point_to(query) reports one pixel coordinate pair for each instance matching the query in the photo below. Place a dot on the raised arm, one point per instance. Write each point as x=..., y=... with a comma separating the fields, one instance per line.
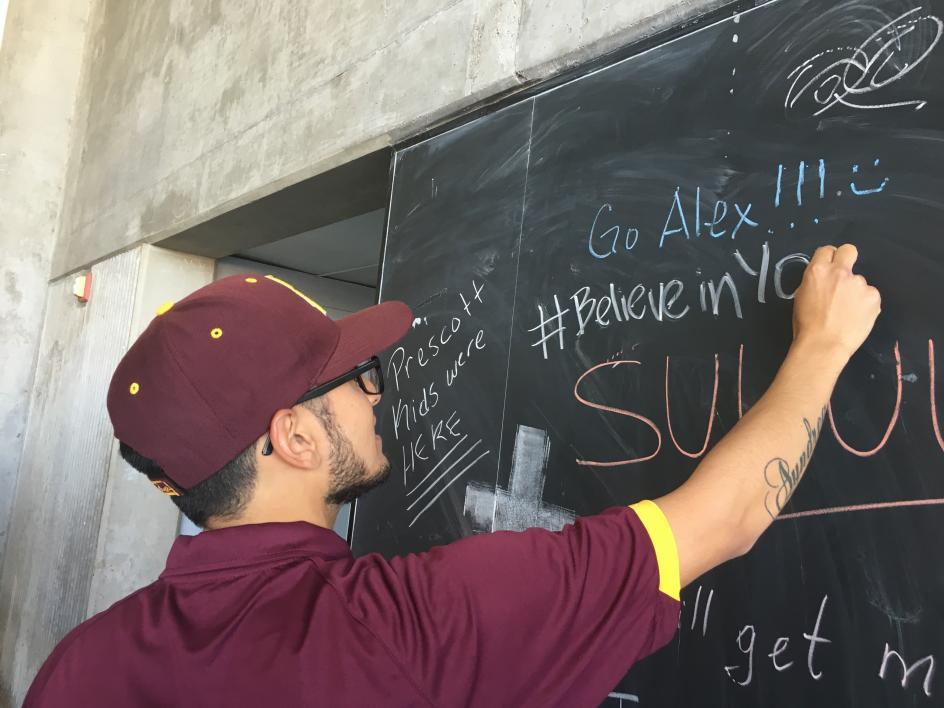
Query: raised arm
x=748, y=477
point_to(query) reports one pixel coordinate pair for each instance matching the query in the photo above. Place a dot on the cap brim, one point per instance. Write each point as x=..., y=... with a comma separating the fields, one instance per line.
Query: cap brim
x=365, y=334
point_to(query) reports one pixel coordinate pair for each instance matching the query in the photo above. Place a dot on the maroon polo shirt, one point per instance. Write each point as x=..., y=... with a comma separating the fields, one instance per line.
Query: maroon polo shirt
x=284, y=615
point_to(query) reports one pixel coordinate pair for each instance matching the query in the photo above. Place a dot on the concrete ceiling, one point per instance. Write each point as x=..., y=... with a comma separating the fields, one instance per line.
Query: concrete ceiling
x=346, y=250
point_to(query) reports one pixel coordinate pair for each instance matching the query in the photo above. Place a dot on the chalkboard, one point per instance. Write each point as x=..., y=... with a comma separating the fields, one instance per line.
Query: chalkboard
x=602, y=278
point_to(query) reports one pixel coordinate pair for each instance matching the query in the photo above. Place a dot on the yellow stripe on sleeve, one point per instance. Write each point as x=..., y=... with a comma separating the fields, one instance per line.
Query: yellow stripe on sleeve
x=663, y=541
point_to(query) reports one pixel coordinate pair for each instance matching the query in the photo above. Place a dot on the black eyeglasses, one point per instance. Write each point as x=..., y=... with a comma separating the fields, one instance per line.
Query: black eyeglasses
x=368, y=375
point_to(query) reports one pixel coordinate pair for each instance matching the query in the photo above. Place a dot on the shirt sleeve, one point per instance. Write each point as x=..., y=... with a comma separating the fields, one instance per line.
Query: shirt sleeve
x=527, y=618
x=60, y=681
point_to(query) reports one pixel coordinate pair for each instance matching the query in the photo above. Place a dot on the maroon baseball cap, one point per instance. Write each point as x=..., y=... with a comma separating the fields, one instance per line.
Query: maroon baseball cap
x=203, y=381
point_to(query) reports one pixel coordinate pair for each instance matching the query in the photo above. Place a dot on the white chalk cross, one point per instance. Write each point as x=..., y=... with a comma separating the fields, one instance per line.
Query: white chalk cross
x=522, y=505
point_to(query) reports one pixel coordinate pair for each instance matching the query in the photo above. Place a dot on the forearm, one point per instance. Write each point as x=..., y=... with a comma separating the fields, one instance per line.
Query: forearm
x=747, y=479
x=769, y=450
x=741, y=486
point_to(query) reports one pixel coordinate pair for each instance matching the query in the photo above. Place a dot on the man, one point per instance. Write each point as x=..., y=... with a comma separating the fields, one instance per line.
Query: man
x=255, y=413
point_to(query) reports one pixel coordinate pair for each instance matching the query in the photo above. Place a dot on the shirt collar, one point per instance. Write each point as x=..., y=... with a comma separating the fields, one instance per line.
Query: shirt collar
x=252, y=544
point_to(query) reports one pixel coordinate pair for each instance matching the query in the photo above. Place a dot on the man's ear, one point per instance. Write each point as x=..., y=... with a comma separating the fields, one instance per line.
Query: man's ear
x=293, y=439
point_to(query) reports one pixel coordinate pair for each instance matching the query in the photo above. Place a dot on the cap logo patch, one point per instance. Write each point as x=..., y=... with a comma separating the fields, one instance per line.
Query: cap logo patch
x=216, y=333
x=165, y=488
x=251, y=280
x=300, y=294
x=134, y=388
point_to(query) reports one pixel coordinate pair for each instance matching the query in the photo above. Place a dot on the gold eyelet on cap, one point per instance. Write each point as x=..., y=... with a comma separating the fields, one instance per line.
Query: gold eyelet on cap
x=134, y=388
x=165, y=307
x=216, y=333
x=251, y=280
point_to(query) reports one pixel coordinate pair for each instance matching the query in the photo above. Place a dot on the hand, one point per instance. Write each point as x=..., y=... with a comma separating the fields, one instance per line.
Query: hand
x=834, y=310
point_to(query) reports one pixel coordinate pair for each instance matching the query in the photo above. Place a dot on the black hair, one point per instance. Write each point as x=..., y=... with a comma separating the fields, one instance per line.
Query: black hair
x=222, y=495
x=225, y=493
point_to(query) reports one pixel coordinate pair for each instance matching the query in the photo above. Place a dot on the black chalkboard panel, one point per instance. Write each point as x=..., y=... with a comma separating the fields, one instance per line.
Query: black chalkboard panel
x=602, y=277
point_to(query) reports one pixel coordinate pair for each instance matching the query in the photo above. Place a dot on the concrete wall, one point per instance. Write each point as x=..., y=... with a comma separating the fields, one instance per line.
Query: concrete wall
x=40, y=57
x=195, y=108
x=336, y=296
x=4, y=4
x=84, y=529
x=54, y=526
x=138, y=524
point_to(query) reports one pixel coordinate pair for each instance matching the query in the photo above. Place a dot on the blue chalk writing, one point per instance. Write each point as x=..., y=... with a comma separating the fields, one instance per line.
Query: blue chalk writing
x=718, y=219
x=676, y=205
x=742, y=218
x=677, y=223
x=801, y=181
x=874, y=190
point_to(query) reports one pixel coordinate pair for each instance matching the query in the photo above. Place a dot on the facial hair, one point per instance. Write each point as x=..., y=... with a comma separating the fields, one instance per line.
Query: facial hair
x=349, y=476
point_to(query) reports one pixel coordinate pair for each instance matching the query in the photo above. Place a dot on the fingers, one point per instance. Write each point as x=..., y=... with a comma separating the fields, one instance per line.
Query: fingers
x=823, y=254
x=870, y=292
x=846, y=256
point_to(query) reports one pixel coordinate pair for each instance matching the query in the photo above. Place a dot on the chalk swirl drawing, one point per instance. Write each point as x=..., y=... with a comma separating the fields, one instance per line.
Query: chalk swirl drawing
x=884, y=58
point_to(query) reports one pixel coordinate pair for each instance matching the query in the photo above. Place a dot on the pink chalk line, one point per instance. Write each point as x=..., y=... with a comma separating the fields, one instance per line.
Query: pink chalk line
x=860, y=507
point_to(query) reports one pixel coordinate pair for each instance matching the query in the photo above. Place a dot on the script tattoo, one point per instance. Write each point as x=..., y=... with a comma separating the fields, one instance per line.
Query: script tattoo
x=782, y=477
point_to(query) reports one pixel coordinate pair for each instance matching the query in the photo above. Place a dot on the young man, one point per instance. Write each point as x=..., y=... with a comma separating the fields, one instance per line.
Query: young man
x=254, y=412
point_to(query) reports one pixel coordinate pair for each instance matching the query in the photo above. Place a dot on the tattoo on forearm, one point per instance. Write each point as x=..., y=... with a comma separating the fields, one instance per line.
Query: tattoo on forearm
x=782, y=478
